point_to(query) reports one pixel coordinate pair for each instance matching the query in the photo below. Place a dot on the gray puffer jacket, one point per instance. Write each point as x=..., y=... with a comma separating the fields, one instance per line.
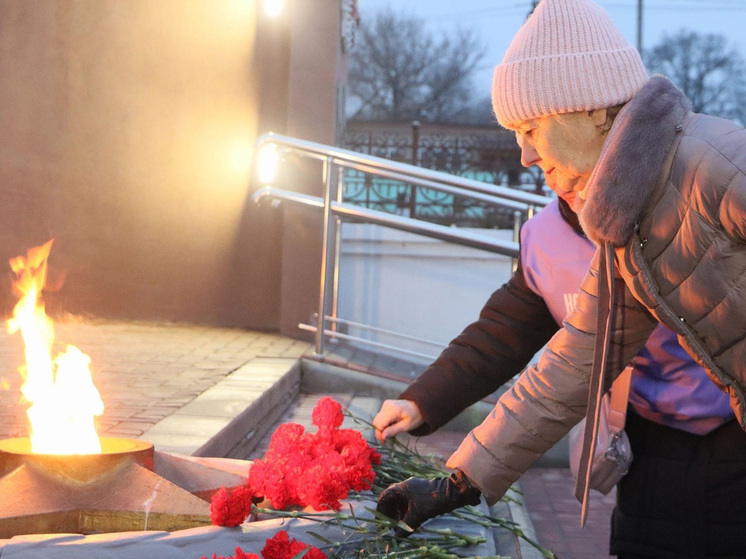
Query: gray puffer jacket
x=669, y=193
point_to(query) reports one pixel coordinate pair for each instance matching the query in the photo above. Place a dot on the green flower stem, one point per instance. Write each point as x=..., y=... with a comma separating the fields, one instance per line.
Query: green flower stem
x=449, y=533
x=437, y=544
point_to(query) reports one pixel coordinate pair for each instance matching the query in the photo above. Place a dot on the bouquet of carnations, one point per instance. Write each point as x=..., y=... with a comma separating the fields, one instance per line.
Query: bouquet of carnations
x=315, y=470
x=307, y=475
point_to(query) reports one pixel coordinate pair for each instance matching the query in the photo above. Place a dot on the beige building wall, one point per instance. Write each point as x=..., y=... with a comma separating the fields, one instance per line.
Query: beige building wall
x=127, y=136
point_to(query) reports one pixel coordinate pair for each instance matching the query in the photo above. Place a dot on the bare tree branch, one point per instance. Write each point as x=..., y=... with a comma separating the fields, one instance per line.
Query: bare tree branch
x=399, y=70
x=710, y=73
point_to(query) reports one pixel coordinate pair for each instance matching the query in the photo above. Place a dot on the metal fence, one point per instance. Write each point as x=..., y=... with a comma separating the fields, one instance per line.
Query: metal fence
x=485, y=154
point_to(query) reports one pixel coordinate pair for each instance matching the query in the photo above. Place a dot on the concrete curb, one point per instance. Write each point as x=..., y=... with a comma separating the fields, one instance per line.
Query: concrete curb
x=225, y=419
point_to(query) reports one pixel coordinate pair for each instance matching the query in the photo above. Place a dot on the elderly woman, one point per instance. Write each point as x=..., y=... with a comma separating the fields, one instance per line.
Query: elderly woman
x=662, y=192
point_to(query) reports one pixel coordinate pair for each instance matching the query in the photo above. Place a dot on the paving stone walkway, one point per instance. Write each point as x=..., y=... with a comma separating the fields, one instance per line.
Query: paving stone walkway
x=549, y=496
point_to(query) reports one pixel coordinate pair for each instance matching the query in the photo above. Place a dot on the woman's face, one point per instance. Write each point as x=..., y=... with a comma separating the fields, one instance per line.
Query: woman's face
x=566, y=147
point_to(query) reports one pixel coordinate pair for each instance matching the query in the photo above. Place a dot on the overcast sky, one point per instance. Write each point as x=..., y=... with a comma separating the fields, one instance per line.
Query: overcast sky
x=496, y=21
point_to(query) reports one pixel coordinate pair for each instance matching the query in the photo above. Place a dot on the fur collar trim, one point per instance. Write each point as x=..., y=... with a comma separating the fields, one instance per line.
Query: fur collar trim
x=628, y=169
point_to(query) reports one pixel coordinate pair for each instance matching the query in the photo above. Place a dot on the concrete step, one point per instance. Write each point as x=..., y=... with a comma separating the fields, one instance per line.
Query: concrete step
x=227, y=419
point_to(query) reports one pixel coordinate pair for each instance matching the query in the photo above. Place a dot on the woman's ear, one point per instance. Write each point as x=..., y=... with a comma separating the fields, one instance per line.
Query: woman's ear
x=600, y=119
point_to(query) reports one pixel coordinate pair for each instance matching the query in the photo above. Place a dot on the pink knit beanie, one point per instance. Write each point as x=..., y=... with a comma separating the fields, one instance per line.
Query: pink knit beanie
x=568, y=56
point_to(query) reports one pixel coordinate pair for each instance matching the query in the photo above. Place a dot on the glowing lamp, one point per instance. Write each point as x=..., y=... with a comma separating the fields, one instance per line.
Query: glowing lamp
x=272, y=8
x=267, y=160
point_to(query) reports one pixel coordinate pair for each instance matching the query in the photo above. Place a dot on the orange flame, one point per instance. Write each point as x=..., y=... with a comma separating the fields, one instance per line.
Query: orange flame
x=62, y=395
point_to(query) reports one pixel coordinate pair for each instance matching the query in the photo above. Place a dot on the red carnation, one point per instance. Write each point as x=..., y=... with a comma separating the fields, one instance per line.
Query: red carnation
x=286, y=439
x=314, y=469
x=323, y=484
x=281, y=547
x=239, y=555
x=275, y=480
x=230, y=509
x=327, y=414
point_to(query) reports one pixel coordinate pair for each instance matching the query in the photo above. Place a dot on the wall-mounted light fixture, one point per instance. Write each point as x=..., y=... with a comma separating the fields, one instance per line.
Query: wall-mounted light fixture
x=266, y=162
x=272, y=8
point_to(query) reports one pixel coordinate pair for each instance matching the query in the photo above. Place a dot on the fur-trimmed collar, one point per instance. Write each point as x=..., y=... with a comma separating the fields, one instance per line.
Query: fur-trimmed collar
x=628, y=169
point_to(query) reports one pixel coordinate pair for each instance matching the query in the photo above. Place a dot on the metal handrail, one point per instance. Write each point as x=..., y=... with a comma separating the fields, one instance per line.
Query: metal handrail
x=411, y=225
x=397, y=170
x=335, y=210
x=340, y=335
x=361, y=326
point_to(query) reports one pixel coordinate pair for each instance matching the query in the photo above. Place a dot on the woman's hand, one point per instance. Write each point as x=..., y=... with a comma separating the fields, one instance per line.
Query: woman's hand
x=396, y=416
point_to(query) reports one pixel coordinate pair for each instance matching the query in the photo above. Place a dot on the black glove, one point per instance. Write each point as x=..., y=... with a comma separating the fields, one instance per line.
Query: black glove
x=415, y=500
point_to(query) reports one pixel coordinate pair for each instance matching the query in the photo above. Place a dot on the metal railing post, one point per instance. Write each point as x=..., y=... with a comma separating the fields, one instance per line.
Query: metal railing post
x=416, y=142
x=531, y=211
x=326, y=255
x=516, y=234
x=338, y=196
x=415, y=161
